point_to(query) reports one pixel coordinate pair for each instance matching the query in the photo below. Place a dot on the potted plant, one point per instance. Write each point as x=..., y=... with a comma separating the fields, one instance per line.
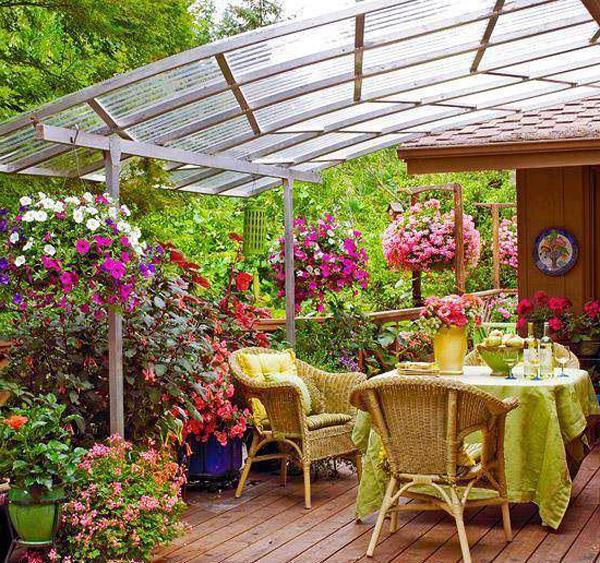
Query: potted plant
x=585, y=330
x=556, y=311
x=37, y=456
x=447, y=319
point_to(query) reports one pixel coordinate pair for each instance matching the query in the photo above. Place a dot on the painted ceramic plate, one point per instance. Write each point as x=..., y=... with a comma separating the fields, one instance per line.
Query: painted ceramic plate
x=555, y=251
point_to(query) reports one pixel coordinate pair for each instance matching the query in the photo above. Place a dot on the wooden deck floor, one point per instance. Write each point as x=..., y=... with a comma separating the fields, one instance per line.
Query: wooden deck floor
x=269, y=524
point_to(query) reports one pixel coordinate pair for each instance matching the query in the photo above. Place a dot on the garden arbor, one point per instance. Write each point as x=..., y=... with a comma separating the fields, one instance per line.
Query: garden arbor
x=239, y=116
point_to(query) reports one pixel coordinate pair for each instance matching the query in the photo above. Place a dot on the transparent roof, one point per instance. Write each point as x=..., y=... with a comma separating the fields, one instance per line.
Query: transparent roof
x=298, y=97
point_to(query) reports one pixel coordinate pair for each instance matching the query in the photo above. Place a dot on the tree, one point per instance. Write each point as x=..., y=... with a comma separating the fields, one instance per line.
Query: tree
x=49, y=48
x=246, y=15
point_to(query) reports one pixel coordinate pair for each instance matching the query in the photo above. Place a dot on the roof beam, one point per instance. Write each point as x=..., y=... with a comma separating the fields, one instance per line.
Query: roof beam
x=105, y=115
x=239, y=95
x=359, y=43
x=487, y=34
x=72, y=137
x=593, y=7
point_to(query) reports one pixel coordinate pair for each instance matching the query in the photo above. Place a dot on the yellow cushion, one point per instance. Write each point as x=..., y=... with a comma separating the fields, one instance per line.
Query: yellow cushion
x=325, y=420
x=259, y=413
x=297, y=382
x=259, y=365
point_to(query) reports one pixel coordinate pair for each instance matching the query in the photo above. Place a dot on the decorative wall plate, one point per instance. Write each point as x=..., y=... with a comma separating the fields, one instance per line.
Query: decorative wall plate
x=555, y=251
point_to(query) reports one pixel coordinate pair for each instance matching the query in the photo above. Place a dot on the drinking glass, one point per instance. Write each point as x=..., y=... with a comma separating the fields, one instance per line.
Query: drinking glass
x=563, y=360
x=511, y=358
x=535, y=364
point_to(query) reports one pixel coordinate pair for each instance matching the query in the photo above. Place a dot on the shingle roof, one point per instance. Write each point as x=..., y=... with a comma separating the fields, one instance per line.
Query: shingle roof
x=578, y=119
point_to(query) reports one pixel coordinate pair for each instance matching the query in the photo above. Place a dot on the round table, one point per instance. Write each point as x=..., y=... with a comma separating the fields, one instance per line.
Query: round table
x=544, y=438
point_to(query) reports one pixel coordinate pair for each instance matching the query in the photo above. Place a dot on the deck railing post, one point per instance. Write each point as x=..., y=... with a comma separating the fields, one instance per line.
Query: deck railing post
x=290, y=276
x=112, y=166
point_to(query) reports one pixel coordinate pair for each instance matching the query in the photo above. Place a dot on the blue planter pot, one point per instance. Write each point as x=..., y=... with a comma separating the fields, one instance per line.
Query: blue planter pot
x=212, y=460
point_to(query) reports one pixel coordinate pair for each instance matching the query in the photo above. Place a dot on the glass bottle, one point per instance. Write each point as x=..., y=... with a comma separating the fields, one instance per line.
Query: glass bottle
x=530, y=354
x=546, y=353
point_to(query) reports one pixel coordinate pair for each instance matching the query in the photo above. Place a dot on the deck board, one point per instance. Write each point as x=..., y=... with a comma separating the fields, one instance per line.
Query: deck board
x=269, y=524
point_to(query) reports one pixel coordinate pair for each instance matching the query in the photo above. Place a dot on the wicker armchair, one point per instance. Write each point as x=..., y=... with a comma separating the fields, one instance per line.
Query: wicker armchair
x=306, y=437
x=422, y=422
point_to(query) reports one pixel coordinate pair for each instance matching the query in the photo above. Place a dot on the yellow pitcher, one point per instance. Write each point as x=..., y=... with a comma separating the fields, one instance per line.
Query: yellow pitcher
x=450, y=349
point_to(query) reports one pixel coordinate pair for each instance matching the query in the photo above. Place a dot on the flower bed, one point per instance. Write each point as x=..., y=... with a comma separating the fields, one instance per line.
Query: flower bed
x=422, y=239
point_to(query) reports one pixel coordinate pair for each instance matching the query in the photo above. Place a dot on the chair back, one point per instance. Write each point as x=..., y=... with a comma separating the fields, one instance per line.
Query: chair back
x=423, y=420
x=281, y=400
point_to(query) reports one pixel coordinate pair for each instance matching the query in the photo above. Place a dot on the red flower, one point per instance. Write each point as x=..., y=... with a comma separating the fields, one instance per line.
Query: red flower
x=592, y=309
x=540, y=297
x=555, y=324
x=559, y=304
x=521, y=324
x=524, y=307
x=16, y=421
x=243, y=281
x=235, y=237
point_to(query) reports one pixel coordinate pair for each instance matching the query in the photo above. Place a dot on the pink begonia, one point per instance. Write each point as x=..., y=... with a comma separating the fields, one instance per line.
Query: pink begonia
x=329, y=257
x=423, y=237
x=507, y=242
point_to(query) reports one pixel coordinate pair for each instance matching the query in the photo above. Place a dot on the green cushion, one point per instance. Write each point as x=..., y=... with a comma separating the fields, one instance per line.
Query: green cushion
x=317, y=399
x=296, y=381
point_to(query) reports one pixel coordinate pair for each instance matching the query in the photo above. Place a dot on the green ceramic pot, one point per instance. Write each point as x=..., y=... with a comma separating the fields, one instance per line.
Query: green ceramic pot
x=35, y=519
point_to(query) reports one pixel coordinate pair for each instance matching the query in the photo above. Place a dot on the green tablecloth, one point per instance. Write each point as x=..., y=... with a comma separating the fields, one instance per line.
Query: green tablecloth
x=542, y=436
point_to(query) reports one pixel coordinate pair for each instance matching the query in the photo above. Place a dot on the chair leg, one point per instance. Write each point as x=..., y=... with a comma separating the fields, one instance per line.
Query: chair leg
x=247, y=466
x=358, y=464
x=458, y=512
x=283, y=471
x=506, y=521
x=381, y=516
x=306, y=472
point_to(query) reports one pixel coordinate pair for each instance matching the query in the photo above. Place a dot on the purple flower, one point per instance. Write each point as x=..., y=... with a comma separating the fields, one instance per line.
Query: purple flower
x=17, y=299
x=82, y=246
x=4, y=279
x=3, y=263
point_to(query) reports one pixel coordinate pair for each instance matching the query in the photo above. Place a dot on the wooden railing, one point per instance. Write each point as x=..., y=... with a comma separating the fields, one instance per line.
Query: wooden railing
x=379, y=317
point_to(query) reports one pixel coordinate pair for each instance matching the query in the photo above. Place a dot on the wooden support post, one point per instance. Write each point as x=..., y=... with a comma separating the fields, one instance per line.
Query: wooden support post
x=459, y=265
x=112, y=165
x=496, y=246
x=495, y=210
x=290, y=277
x=417, y=293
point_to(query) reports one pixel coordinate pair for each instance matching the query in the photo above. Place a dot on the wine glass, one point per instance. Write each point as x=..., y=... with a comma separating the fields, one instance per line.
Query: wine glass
x=563, y=359
x=511, y=357
x=534, y=360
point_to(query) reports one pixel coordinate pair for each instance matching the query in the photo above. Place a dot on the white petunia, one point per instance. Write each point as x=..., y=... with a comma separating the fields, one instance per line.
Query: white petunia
x=41, y=216
x=72, y=199
x=78, y=216
x=28, y=245
x=49, y=250
x=87, y=196
x=42, y=195
x=29, y=217
x=25, y=200
x=124, y=227
x=19, y=261
x=125, y=210
x=59, y=207
x=92, y=224
x=14, y=238
x=113, y=212
x=91, y=210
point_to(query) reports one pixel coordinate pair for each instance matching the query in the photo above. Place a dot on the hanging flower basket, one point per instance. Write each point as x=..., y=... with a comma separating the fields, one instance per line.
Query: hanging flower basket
x=507, y=243
x=422, y=239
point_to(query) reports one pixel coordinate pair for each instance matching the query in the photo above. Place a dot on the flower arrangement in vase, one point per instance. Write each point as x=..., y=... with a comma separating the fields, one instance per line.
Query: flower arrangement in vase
x=422, y=239
x=447, y=319
x=329, y=258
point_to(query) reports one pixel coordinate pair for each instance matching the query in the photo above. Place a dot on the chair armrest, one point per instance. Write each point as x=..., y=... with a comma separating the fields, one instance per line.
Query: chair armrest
x=336, y=387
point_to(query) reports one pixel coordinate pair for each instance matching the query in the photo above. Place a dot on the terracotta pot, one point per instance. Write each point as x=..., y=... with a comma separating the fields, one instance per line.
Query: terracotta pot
x=450, y=349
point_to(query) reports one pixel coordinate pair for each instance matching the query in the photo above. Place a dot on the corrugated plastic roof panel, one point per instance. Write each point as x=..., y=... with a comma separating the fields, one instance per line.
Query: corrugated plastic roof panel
x=305, y=95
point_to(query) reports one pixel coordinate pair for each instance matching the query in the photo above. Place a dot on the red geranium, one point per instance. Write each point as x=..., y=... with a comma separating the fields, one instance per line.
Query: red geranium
x=555, y=310
x=243, y=281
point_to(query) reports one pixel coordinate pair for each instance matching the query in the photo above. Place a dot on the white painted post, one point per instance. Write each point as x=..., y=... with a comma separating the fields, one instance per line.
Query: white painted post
x=112, y=166
x=290, y=277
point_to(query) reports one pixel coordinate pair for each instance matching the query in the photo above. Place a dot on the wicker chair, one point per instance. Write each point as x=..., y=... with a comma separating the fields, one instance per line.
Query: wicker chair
x=474, y=359
x=306, y=437
x=422, y=422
